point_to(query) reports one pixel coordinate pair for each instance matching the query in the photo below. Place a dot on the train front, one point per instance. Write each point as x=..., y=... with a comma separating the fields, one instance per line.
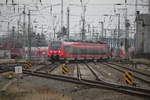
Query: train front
x=55, y=50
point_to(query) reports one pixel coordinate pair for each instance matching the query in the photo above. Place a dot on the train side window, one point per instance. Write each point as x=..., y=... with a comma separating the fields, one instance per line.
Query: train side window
x=83, y=51
x=78, y=50
x=75, y=50
x=67, y=49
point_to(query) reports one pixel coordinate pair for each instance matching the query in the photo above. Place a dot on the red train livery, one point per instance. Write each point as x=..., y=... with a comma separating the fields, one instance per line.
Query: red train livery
x=77, y=50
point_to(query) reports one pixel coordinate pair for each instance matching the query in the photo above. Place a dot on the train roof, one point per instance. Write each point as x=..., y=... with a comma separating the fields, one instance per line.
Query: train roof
x=74, y=42
x=98, y=42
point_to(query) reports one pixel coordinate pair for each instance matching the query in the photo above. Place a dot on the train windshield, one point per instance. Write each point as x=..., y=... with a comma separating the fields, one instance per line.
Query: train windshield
x=55, y=45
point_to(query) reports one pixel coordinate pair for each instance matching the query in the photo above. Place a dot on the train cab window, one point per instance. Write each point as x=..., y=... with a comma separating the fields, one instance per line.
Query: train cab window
x=55, y=45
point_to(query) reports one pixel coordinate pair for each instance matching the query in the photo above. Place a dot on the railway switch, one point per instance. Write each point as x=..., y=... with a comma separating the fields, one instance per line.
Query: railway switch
x=27, y=65
x=129, y=78
x=64, y=69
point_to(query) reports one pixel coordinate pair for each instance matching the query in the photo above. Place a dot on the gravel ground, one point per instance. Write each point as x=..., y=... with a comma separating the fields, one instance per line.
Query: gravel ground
x=85, y=72
x=141, y=60
x=77, y=92
x=138, y=66
x=35, y=88
x=11, y=60
x=109, y=74
x=57, y=70
x=138, y=82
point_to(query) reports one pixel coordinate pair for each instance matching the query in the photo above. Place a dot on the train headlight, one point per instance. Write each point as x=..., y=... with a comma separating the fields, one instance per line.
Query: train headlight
x=59, y=51
x=50, y=51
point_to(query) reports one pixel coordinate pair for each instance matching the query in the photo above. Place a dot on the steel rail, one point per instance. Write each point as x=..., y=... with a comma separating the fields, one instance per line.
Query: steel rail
x=49, y=67
x=41, y=68
x=52, y=68
x=78, y=72
x=93, y=72
x=105, y=83
x=134, y=62
x=12, y=63
x=124, y=72
x=3, y=71
x=96, y=84
x=148, y=75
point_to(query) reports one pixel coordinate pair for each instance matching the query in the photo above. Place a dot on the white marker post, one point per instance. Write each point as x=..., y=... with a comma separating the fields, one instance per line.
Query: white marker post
x=18, y=71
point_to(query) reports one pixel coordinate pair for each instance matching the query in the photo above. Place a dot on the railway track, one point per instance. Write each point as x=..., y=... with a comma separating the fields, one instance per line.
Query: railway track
x=145, y=73
x=136, y=63
x=3, y=71
x=78, y=72
x=123, y=70
x=93, y=71
x=53, y=67
x=91, y=83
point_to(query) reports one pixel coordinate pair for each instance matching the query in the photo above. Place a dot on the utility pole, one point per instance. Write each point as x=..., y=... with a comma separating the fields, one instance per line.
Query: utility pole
x=54, y=32
x=114, y=38
x=18, y=29
x=83, y=24
x=126, y=31
x=111, y=38
x=118, y=30
x=18, y=23
x=88, y=28
x=93, y=32
x=105, y=37
x=8, y=27
x=136, y=4
x=102, y=30
x=89, y=31
x=149, y=6
x=68, y=23
x=24, y=26
x=13, y=37
x=83, y=20
x=29, y=35
x=42, y=29
x=53, y=20
x=62, y=14
x=54, y=28
x=51, y=17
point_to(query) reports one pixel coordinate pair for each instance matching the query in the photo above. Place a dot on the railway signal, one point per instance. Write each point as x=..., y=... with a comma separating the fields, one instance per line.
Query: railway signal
x=128, y=78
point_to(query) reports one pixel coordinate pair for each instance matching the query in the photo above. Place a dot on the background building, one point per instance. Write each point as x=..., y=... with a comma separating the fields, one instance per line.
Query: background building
x=142, y=36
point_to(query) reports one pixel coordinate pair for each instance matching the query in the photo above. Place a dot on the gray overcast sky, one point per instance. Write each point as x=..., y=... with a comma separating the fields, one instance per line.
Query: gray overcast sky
x=94, y=11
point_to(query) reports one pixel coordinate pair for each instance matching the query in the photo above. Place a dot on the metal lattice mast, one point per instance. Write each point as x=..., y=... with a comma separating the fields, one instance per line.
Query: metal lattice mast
x=149, y=6
x=62, y=13
x=118, y=30
x=24, y=27
x=68, y=23
x=29, y=36
x=126, y=30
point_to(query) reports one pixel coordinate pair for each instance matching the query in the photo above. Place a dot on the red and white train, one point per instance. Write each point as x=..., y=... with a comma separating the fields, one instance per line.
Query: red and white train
x=58, y=50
